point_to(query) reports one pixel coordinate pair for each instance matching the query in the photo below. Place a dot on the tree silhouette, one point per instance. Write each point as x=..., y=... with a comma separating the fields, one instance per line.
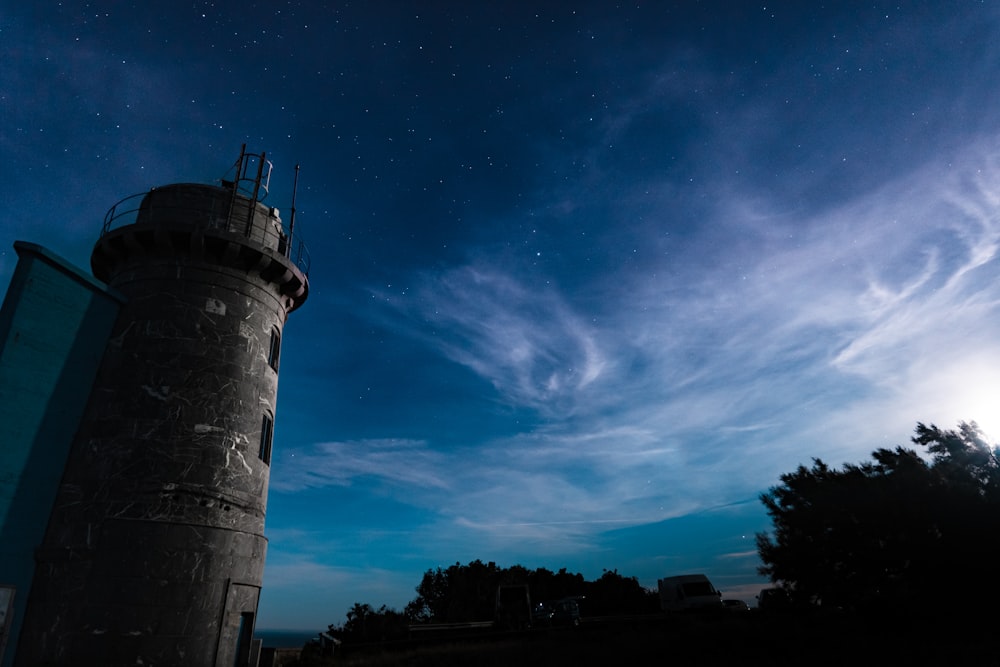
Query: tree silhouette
x=459, y=593
x=366, y=624
x=903, y=531
x=613, y=594
x=468, y=592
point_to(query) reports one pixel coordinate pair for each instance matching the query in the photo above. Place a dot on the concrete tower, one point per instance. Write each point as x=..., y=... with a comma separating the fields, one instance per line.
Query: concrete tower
x=155, y=547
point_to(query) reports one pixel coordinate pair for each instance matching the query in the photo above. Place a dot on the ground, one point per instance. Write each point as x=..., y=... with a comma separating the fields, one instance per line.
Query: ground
x=747, y=638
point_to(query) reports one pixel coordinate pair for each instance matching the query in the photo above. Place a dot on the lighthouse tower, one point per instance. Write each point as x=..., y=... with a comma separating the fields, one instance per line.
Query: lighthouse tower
x=155, y=547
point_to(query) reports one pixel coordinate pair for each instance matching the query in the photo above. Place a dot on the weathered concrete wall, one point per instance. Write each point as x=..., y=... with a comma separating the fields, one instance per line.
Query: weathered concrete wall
x=53, y=327
x=213, y=208
x=154, y=552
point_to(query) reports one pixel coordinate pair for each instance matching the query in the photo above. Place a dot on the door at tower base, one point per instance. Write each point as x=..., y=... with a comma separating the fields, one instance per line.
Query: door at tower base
x=236, y=638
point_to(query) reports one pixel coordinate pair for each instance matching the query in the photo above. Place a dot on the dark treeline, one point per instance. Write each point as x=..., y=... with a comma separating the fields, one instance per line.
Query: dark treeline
x=467, y=593
x=908, y=532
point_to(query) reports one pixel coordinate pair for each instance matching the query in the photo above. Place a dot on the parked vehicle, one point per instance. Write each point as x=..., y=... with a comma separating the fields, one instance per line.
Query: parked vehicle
x=688, y=592
x=735, y=605
x=557, y=612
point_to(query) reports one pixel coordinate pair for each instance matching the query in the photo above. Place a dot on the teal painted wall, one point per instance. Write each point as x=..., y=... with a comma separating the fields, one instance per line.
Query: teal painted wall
x=54, y=326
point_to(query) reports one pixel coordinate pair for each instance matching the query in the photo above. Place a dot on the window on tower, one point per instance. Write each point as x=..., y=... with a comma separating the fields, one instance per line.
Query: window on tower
x=275, y=349
x=266, y=433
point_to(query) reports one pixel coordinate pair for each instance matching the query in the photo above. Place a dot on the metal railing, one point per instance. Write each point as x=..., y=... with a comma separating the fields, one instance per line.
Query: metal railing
x=237, y=215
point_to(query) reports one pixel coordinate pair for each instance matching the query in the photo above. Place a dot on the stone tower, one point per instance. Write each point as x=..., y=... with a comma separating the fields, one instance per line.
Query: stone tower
x=154, y=550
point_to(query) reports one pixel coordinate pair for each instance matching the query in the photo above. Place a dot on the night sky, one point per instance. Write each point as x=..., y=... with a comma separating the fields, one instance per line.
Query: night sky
x=586, y=277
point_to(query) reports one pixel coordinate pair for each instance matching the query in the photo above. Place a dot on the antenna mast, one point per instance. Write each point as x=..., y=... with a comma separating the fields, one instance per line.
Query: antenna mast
x=295, y=187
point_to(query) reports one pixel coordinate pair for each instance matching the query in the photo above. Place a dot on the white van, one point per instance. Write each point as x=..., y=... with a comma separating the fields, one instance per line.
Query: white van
x=688, y=592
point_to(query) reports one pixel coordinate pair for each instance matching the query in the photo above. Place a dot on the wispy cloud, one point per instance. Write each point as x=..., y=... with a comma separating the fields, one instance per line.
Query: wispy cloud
x=396, y=463
x=524, y=339
x=844, y=314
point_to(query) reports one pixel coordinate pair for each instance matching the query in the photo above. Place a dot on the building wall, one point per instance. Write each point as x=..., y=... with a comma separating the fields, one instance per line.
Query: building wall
x=54, y=324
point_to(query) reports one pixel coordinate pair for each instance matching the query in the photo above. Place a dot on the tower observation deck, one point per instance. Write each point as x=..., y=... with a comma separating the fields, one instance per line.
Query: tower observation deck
x=154, y=551
x=228, y=225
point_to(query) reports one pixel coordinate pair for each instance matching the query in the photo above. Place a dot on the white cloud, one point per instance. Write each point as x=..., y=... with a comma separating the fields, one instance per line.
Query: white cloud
x=396, y=463
x=523, y=339
x=876, y=315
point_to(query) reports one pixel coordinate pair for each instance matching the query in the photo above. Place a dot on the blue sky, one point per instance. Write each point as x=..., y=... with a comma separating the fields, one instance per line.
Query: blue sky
x=586, y=277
